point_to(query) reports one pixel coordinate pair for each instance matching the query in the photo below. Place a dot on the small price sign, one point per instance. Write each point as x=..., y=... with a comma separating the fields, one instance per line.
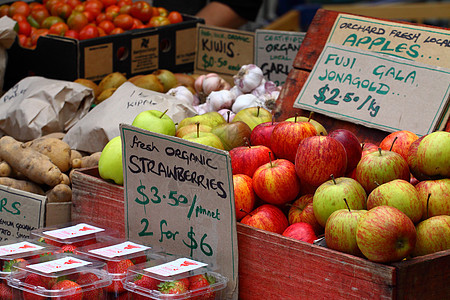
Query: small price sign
x=377, y=90
x=179, y=197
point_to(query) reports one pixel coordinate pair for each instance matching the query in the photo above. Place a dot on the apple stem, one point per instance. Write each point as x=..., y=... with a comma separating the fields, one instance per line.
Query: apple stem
x=246, y=212
x=247, y=142
x=228, y=116
x=198, y=129
x=257, y=114
x=270, y=159
x=332, y=178
x=377, y=184
x=273, y=119
x=310, y=116
x=163, y=113
x=362, y=146
x=428, y=201
x=292, y=205
x=346, y=204
x=393, y=142
x=295, y=118
x=379, y=150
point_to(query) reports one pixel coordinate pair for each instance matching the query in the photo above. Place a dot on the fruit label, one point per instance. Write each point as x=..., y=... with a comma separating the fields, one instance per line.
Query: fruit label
x=121, y=249
x=58, y=265
x=73, y=231
x=17, y=248
x=176, y=267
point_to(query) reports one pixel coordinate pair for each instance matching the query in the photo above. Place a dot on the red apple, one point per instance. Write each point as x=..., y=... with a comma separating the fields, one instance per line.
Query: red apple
x=340, y=231
x=438, y=192
x=276, y=182
x=433, y=235
x=385, y=234
x=261, y=134
x=302, y=211
x=400, y=194
x=351, y=144
x=411, y=158
x=267, y=217
x=368, y=148
x=246, y=159
x=318, y=157
x=244, y=196
x=287, y=135
x=380, y=167
x=399, y=141
x=301, y=232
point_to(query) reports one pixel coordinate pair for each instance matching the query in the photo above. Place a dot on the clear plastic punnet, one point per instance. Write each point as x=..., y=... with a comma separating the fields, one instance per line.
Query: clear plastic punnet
x=119, y=255
x=75, y=234
x=59, y=276
x=12, y=252
x=174, y=278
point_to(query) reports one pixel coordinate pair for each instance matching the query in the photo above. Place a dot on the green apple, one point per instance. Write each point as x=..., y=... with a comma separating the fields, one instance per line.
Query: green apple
x=433, y=154
x=212, y=119
x=110, y=162
x=182, y=131
x=319, y=128
x=253, y=116
x=232, y=134
x=204, y=138
x=155, y=121
x=330, y=195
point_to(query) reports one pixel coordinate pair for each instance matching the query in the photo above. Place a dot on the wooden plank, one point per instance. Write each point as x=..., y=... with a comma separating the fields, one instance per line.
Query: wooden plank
x=275, y=267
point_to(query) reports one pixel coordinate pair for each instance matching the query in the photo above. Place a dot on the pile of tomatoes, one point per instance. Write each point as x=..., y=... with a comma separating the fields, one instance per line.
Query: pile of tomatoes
x=83, y=19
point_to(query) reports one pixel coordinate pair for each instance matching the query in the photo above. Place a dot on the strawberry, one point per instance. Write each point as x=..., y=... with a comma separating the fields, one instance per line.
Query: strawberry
x=33, y=280
x=8, y=265
x=145, y=282
x=180, y=286
x=117, y=267
x=50, y=242
x=66, y=285
x=199, y=285
x=139, y=259
x=5, y=292
x=87, y=282
x=67, y=249
x=41, y=255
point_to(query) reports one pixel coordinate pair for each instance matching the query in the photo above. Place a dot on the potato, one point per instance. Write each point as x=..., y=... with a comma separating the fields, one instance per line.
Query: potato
x=24, y=185
x=58, y=151
x=59, y=193
x=91, y=160
x=56, y=135
x=5, y=169
x=34, y=165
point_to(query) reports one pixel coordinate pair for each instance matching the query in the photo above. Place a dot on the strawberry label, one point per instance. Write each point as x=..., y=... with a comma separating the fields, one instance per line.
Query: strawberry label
x=73, y=231
x=175, y=267
x=58, y=265
x=17, y=248
x=121, y=249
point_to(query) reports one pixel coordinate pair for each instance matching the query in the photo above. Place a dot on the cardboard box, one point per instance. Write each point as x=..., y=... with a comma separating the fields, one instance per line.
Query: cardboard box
x=133, y=52
x=275, y=267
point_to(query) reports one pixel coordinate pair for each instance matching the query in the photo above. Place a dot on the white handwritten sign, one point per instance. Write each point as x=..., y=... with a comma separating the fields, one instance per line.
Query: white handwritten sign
x=376, y=90
x=20, y=212
x=179, y=197
x=275, y=52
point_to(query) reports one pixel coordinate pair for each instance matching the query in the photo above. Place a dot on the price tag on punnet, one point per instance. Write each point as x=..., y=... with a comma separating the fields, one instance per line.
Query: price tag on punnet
x=377, y=90
x=179, y=197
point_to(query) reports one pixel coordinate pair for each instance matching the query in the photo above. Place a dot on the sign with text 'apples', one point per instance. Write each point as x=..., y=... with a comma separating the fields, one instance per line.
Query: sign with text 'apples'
x=275, y=52
x=376, y=90
x=20, y=212
x=223, y=51
x=179, y=197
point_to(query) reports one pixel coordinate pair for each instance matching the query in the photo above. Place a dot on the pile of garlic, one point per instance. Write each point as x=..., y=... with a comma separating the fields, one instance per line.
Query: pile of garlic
x=213, y=93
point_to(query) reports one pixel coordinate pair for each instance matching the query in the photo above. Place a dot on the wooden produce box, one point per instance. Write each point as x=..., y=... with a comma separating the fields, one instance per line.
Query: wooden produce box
x=309, y=52
x=275, y=267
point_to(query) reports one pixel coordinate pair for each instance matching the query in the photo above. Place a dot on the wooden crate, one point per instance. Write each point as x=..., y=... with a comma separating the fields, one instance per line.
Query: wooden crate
x=307, y=56
x=275, y=267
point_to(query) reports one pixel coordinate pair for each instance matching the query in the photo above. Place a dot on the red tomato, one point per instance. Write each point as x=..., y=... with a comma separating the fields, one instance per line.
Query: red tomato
x=94, y=6
x=107, y=26
x=117, y=30
x=124, y=21
x=100, y=17
x=120, y=3
x=59, y=29
x=90, y=16
x=101, y=32
x=107, y=3
x=158, y=21
x=72, y=3
x=125, y=9
x=88, y=32
x=24, y=28
x=63, y=10
x=77, y=20
x=141, y=10
x=25, y=41
x=19, y=7
x=175, y=17
x=35, y=5
x=49, y=21
x=72, y=34
x=36, y=34
x=39, y=14
x=162, y=11
x=112, y=12
x=4, y=9
x=137, y=23
x=49, y=4
x=19, y=17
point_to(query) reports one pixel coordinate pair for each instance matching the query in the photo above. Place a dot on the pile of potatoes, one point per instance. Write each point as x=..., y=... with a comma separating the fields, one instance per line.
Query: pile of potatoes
x=42, y=166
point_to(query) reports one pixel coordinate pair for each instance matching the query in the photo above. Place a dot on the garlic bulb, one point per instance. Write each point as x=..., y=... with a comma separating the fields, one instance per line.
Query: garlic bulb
x=244, y=101
x=236, y=91
x=220, y=99
x=269, y=100
x=183, y=94
x=248, y=78
x=202, y=108
x=205, y=84
x=264, y=88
